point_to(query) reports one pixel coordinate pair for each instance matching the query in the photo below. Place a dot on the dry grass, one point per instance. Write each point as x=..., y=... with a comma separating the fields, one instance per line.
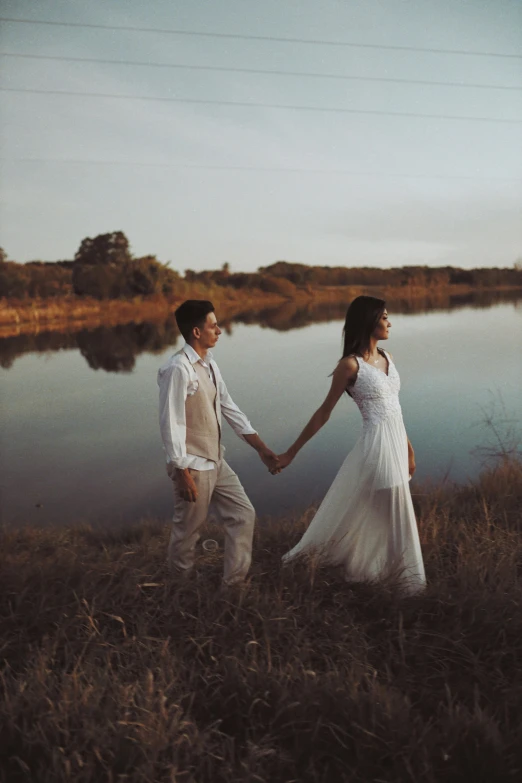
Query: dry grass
x=113, y=671
x=71, y=313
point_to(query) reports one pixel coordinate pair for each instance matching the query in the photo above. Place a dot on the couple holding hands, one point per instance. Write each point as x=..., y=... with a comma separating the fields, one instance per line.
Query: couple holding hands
x=366, y=522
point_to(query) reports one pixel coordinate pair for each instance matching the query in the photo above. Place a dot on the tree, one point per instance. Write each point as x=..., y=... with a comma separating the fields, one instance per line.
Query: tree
x=277, y=285
x=107, y=249
x=147, y=275
x=104, y=269
x=99, y=268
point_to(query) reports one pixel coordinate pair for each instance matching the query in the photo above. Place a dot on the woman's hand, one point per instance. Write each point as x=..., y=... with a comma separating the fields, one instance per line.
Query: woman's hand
x=284, y=461
x=411, y=460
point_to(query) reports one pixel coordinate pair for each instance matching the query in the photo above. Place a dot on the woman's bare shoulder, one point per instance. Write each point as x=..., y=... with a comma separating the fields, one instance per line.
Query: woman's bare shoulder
x=348, y=366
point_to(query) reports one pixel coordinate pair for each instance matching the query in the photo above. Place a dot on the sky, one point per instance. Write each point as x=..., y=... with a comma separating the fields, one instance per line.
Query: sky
x=201, y=183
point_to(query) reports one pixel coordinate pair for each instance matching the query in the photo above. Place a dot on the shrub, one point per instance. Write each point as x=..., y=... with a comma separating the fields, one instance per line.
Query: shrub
x=277, y=285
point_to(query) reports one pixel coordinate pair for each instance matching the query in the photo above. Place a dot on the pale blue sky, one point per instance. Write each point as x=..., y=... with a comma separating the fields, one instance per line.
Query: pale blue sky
x=362, y=189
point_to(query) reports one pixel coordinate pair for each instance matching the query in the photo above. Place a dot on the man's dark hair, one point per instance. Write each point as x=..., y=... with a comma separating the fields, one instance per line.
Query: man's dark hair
x=192, y=313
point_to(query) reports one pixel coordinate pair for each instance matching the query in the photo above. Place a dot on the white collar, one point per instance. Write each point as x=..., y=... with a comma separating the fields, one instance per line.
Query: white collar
x=194, y=357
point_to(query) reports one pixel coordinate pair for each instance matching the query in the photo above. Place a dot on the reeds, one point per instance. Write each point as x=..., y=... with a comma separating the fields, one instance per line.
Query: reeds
x=114, y=671
x=72, y=313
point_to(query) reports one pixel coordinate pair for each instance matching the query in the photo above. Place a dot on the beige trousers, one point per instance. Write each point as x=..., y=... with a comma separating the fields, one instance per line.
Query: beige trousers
x=223, y=488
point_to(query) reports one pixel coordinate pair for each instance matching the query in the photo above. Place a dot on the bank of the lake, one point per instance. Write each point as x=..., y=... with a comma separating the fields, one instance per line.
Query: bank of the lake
x=72, y=313
x=113, y=670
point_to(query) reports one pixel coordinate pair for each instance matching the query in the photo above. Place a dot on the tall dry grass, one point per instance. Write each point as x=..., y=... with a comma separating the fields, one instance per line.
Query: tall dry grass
x=114, y=671
x=72, y=313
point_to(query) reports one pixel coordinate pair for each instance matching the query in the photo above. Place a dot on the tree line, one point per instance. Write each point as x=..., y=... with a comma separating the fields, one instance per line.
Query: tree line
x=104, y=268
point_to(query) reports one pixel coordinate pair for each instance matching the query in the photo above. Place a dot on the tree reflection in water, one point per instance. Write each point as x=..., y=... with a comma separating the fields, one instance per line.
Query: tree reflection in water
x=109, y=348
x=115, y=348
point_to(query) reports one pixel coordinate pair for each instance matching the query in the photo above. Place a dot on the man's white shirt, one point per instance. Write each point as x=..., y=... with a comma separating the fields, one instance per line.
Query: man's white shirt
x=177, y=380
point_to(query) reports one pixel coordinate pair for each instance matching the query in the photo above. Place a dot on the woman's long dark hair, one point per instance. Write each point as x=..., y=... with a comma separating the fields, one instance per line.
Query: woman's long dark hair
x=362, y=317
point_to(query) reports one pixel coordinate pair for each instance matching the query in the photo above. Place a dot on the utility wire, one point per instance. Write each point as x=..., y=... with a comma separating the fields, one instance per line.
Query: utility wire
x=263, y=169
x=272, y=39
x=254, y=105
x=223, y=69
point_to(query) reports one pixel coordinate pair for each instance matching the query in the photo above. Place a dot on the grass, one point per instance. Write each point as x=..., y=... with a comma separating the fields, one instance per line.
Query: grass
x=71, y=313
x=29, y=316
x=113, y=671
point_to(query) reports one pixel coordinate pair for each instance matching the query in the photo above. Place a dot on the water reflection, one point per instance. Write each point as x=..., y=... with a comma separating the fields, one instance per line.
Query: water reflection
x=109, y=348
x=295, y=315
x=13, y=347
x=115, y=348
x=96, y=433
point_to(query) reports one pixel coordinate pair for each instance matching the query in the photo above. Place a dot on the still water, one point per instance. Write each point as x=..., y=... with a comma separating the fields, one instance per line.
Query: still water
x=80, y=439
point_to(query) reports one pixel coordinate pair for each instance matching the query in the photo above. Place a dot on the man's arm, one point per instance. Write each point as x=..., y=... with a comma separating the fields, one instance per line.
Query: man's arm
x=267, y=455
x=241, y=425
x=173, y=385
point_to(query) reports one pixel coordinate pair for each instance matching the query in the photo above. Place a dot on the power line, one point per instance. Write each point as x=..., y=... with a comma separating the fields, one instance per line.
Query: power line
x=263, y=169
x=271, y=39
x=257, y=71
x=254, y=105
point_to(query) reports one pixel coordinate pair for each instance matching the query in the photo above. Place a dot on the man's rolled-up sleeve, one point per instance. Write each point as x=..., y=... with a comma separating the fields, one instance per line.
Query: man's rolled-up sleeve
x=235, y=417
x=173, y=384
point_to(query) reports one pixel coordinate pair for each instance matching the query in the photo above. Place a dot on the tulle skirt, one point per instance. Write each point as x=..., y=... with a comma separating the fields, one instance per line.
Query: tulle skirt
x=366, y=522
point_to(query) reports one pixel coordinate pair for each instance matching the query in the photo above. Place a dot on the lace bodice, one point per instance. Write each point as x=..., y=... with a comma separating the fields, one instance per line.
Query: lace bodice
x=376, y=394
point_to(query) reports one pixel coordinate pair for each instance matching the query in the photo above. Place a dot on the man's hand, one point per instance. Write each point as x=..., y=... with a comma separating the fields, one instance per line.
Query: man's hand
x=186, y=485
x=283, y=461
x=270, y=459
x=267, y=455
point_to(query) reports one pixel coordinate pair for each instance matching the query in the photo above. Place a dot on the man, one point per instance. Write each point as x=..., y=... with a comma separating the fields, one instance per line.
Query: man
x=193, y=398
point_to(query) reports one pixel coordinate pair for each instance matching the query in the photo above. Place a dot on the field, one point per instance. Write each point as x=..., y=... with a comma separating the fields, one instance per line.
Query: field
x=114, y=671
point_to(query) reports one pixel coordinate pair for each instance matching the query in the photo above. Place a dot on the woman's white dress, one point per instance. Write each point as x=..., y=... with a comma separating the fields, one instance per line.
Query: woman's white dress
x=366, y=521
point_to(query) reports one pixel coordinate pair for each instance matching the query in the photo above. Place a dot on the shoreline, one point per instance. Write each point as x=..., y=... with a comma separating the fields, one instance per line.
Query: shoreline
x=69, y=314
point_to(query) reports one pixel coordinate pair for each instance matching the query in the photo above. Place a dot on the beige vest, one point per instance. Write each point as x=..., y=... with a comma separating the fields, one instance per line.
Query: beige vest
x=203, y=418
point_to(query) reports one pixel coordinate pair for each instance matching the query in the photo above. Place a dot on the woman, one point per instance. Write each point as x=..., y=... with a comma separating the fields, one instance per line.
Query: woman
x=366, y=522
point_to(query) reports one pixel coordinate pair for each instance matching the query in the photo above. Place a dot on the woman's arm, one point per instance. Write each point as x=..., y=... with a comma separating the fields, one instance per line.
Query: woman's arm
x=411, y=460
x=411, y=453
x=344, y=375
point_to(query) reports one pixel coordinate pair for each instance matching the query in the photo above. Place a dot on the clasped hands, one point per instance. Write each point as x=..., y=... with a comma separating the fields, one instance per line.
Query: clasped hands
x=275, y=462
x=187, y=486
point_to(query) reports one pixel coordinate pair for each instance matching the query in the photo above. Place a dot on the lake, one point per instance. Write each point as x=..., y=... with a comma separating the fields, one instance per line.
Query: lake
x=80, y=437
